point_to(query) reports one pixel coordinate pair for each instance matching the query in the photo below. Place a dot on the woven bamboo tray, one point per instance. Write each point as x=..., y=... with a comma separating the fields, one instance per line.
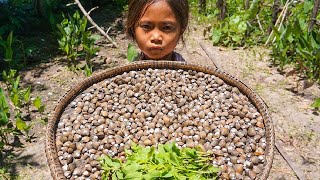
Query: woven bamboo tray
x=51, y=150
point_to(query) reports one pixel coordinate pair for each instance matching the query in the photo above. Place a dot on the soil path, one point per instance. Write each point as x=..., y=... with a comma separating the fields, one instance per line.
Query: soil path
x=297, y=126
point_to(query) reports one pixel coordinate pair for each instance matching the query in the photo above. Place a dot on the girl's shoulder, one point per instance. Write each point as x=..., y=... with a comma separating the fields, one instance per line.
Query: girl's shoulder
x=177, y=57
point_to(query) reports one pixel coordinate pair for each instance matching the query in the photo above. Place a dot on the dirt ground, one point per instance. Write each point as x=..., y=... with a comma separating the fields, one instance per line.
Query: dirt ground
x=297, y=126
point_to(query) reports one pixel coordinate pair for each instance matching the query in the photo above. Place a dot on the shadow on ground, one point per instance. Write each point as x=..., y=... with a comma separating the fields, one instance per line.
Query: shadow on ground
x=10, y=161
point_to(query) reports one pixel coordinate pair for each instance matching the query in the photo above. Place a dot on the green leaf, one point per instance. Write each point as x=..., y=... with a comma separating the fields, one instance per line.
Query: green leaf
x=216, y=35
x=180, y=176
x=151, y=152
x=20, y=124
x=26, y=94
x=176, y=150
x=305, y=54
x=41, y=109
x=15, y=99
x=307, y=6
x=114, y=176
x=296, y=28
x=316, y=103
x=132, y=167
x=38, y=104
x=290, y=38
x=10, y=39
x=3, y=102
x=174, y=158
x=8, y=54
x=213, y=169
x=95, y=37
x=254, y=9
x=113, y=163
x=236, y=38
x=3, y=118
x=242, y=26
x=169, y=174
x=133, y=175
x=15, y=84
x=119, y=175
x=276, y=32
x=88, y=70
x=150, y=175
x=234, y=20
x=132, y=53
x=190, y=153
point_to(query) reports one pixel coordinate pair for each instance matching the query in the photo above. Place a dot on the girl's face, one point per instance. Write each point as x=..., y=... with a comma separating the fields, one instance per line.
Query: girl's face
x=157, y=32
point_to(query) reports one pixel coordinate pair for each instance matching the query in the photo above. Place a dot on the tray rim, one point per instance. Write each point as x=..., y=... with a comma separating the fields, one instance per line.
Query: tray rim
x=50, y=147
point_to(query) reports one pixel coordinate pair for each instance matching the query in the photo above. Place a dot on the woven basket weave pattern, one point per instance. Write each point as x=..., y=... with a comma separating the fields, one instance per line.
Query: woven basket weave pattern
x=51, y=150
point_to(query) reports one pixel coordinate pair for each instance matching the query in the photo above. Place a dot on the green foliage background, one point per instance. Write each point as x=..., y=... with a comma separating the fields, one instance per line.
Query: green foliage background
x=291, y=44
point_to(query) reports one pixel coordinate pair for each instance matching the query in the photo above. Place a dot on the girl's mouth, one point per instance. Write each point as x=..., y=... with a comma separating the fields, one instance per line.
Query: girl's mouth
x=156, y=48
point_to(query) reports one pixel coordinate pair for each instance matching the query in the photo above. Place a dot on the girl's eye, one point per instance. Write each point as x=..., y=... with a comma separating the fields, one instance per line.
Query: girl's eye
x=168, y=28
x=145, y=26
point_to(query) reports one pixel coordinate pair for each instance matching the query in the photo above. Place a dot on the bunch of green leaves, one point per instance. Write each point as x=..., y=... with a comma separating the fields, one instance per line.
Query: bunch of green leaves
x=70, y=37
x=7, y=49
x=165, y=162
x=6, y=126
x=242, y=26
x=89, y=49
x=208, y=14
x=12, y=51
x=231, y=32
x=295, y=45
x=76, y=41
x=19, y=97
x=21, y=100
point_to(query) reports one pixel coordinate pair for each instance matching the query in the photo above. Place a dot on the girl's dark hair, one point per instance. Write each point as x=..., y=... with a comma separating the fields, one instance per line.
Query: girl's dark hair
x=136, y=9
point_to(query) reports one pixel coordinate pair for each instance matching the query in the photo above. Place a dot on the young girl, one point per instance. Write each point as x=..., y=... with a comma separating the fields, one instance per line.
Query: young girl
x=157, y=26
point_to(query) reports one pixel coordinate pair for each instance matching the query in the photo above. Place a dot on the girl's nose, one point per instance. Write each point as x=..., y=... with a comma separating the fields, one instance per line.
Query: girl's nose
x=156, y=37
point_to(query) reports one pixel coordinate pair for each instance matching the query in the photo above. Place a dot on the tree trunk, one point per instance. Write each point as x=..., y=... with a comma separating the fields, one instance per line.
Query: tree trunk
x=40, y=7
x=275, y=12
x=202, y=6
x=246, y=4
x=224, y=10
x=222, y=5
x=314, y=14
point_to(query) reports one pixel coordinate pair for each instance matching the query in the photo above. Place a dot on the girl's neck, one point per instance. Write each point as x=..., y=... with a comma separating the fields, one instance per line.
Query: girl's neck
x=168, y=57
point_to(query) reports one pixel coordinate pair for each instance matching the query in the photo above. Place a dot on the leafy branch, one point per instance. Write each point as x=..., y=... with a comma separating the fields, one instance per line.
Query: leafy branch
x=87, y=15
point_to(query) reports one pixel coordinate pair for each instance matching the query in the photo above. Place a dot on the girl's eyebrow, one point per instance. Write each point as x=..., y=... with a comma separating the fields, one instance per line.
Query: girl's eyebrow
x=168, y=22
x=144, y=22
x=163, y=22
